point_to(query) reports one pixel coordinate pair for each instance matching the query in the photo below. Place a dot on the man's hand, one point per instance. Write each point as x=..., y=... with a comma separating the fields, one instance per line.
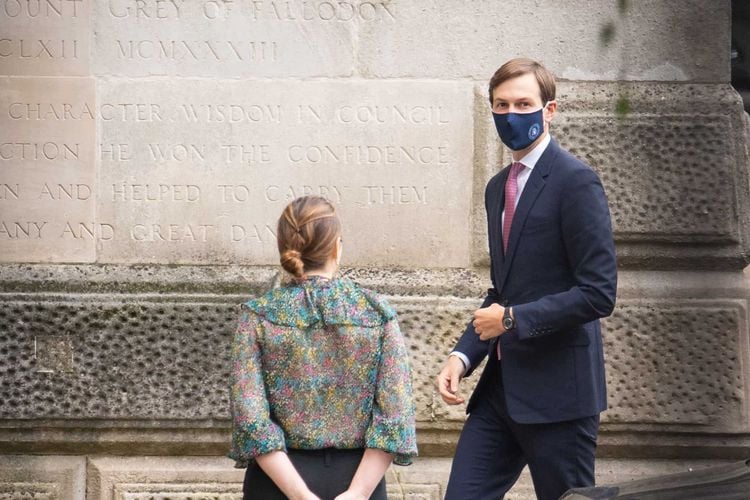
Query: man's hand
x=448, y=379
x=488, y=321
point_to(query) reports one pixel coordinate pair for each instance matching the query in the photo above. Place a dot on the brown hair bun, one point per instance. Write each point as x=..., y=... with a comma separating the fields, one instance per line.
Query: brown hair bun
x=291, y=261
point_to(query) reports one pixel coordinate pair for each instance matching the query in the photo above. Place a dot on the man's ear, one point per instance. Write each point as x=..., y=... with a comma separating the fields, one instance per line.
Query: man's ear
x=549, y=111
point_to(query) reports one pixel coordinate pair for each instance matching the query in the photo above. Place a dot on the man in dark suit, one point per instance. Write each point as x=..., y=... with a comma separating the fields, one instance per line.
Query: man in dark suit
x=554, y=274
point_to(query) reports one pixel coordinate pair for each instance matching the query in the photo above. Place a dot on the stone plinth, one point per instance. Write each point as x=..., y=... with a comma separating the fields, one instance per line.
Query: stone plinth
x=105, y=362
x=43, y=478
x=162, y=477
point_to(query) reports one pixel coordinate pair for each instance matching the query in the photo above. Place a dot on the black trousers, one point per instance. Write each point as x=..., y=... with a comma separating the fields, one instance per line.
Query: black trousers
x=327, y=473
x=493, y=449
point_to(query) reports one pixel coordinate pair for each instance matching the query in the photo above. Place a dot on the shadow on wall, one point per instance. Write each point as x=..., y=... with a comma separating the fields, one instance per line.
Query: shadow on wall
x=741, y=49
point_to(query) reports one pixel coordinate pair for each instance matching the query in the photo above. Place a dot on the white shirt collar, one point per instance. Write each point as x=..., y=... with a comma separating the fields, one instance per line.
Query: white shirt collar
x=533, y=156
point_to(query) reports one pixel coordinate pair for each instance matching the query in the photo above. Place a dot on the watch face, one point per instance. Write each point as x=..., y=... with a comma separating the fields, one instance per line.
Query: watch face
x=508, y=323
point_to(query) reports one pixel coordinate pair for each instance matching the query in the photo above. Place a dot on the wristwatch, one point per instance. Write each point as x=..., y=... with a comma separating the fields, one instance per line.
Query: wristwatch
x=508, y=322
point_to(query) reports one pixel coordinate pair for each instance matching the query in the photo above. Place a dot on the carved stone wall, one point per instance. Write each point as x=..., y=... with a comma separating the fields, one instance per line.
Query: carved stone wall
x=148, y=146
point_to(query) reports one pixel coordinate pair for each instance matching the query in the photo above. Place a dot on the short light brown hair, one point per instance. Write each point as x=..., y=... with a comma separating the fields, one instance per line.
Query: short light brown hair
x=521, y=66
x=307, y=234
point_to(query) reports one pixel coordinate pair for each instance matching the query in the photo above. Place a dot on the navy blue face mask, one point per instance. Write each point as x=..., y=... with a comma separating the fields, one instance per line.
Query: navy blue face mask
x=519, y=130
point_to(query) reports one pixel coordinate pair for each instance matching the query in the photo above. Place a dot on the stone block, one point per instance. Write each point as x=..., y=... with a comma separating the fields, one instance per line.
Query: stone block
x=672, y=160
x=123, y=368
x=164, y=477
x=203, y=171
x=138, y=359
x=47, y=188
x=577, y=40
x=142, y=478
x=45, y=37
x=187, y=477
x=425, y=479
x=675, y=363
x=42, y=478
x=129, y=356
x=432, y=326
x=170, y=359
x=53, y=353
x=230, y=39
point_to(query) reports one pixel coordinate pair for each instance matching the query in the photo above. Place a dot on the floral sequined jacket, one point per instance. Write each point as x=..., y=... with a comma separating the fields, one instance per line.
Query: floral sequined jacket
x=320, y=364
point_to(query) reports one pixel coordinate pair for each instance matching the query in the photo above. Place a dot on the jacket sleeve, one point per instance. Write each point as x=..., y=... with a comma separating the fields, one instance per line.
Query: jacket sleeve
x=392, y=428
x=590, y=250
x=253, y=431
x=469, y=344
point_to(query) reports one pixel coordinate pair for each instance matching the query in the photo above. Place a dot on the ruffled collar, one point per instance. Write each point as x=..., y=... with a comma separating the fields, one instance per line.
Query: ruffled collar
x=318, y=300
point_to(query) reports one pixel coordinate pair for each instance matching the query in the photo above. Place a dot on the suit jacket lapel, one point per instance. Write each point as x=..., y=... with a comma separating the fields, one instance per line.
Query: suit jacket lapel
x=496, y=222
x=534, y=186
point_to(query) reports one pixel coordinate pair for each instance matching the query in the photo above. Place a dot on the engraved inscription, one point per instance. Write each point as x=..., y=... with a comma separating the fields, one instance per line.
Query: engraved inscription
x=156, y=192
x=115, y=152
x=254, y=113
x=9, y=191
x=37, y=230
x=231, y=113
x=274, y=193
x=200, y=50
x=21, y=230
x=381, y=154
x=88, y=230
x=146, y=9
x=324, y=11
x=48, y=191
x=258, y=233
x=172, y=232
x=394, y=114
x=256, y=10
x=39, y=151
x=137, y=112
x=201, y=172
x=239, y=193
x=40, y=8
x=396, y=195
x=179, y=152
x=38, y=49
x=79, y=192
x=246, y=153
x=49, y=111
x=48, y=186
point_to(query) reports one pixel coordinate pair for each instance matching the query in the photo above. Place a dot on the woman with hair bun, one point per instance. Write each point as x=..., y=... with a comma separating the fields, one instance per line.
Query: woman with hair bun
x=321, y=384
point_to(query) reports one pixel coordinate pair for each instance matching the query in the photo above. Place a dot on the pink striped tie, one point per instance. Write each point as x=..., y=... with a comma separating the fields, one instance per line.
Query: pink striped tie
x=511, y=191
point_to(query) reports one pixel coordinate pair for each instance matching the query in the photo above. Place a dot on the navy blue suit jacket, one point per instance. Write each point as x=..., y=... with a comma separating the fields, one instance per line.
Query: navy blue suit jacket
x=560, y=277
